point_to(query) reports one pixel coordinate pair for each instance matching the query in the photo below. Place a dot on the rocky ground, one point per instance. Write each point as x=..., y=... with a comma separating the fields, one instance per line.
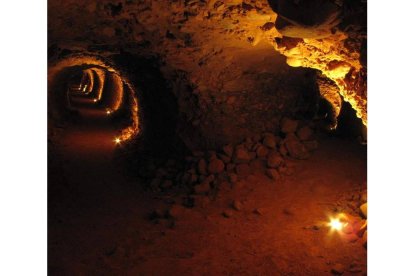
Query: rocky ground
x=260, y=207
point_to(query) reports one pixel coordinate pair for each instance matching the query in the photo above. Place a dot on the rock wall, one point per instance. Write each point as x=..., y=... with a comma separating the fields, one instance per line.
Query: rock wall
x=217, y=57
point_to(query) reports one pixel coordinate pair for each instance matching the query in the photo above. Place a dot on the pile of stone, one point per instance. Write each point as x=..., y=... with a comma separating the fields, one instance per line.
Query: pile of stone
x=267, y=153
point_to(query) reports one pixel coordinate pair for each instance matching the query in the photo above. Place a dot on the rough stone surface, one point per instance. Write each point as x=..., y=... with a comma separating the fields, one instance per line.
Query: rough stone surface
x=202, y=188
x=364, y=209
x=274, y=160
x=273, y=174
x=262, y=151
x=237, y=205
x=215, y=166
x=305, y=133
x=296, y=149
x=242, y=156
x=338, y=269
x=269, y=141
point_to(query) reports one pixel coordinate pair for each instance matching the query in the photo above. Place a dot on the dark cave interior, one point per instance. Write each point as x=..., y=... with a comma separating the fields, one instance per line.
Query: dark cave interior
x=207, y=137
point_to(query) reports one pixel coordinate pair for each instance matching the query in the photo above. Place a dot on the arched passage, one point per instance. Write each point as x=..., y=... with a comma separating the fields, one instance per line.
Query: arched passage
x=88, y=86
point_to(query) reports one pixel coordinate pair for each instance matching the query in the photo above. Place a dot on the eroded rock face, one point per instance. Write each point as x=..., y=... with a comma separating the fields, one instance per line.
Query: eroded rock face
x=329, y=36
x=219, y=57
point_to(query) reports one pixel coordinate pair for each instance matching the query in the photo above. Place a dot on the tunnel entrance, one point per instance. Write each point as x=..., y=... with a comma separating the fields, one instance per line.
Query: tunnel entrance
x=87, y=91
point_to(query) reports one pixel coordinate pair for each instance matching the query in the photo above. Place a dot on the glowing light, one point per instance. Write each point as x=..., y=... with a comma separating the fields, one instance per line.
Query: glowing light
x=336, y=224
x=95, y=100
x=108, y=111
x=117, y=140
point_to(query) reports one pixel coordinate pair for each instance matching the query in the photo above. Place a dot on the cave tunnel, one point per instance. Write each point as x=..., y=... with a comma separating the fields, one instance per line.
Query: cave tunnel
x=207, y=138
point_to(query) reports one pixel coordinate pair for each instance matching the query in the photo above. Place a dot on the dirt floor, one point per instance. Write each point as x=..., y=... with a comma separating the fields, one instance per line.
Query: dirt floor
x=100, y=223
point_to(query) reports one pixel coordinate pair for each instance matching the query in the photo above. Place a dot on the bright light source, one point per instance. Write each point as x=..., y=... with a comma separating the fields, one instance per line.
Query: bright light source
x=108, y=112
x=117, y=140
x=95, y=100
x=336, y=224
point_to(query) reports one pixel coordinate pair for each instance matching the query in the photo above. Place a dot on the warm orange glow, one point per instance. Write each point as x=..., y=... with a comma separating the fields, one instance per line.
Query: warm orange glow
x=108, y=111
x=117, y=140
x=338, y=223
x=95, y=100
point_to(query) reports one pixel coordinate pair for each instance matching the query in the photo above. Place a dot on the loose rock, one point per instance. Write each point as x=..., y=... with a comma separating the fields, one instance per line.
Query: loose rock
x=215, y=166
x=296, y=149
x=364, y=209
x=269, y=141
x=273, y=174
x=262, y=151
x=202, y=188
x=176, y=211
x=338, y=269
x=228, y=213
x=237, y=205
x=202, y=167
x=274, y=160
x=241, y=156
x=228, y=150
x=233, y=177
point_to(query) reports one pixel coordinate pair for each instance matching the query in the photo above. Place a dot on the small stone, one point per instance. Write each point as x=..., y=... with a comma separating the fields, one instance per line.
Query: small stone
x=259, y=211
x=233, y=177
x=360, y=232
x=202, y=167
x=202, y=188
x=296, y=149
x=304, y=133
x=283, y=151
x=355, y=268
x=262, y=151
x=209, y=178
x=288, y=125
x=224, y=158
x=237, y=205
x=228, y=213
x=176, y=211
x=269, y=141
x=228, y=150
x=338, y=269
x=241, y=156
x=243, y=170
x=365, y=239
x=364, y=209
x=215, y=166
x=274, y=160
x=273, y=174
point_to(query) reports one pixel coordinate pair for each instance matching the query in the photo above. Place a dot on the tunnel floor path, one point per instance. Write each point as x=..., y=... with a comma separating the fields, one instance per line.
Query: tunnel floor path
x=99, y=225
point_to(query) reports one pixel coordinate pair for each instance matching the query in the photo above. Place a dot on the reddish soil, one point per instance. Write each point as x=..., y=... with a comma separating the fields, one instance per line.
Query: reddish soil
x=99, y=225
